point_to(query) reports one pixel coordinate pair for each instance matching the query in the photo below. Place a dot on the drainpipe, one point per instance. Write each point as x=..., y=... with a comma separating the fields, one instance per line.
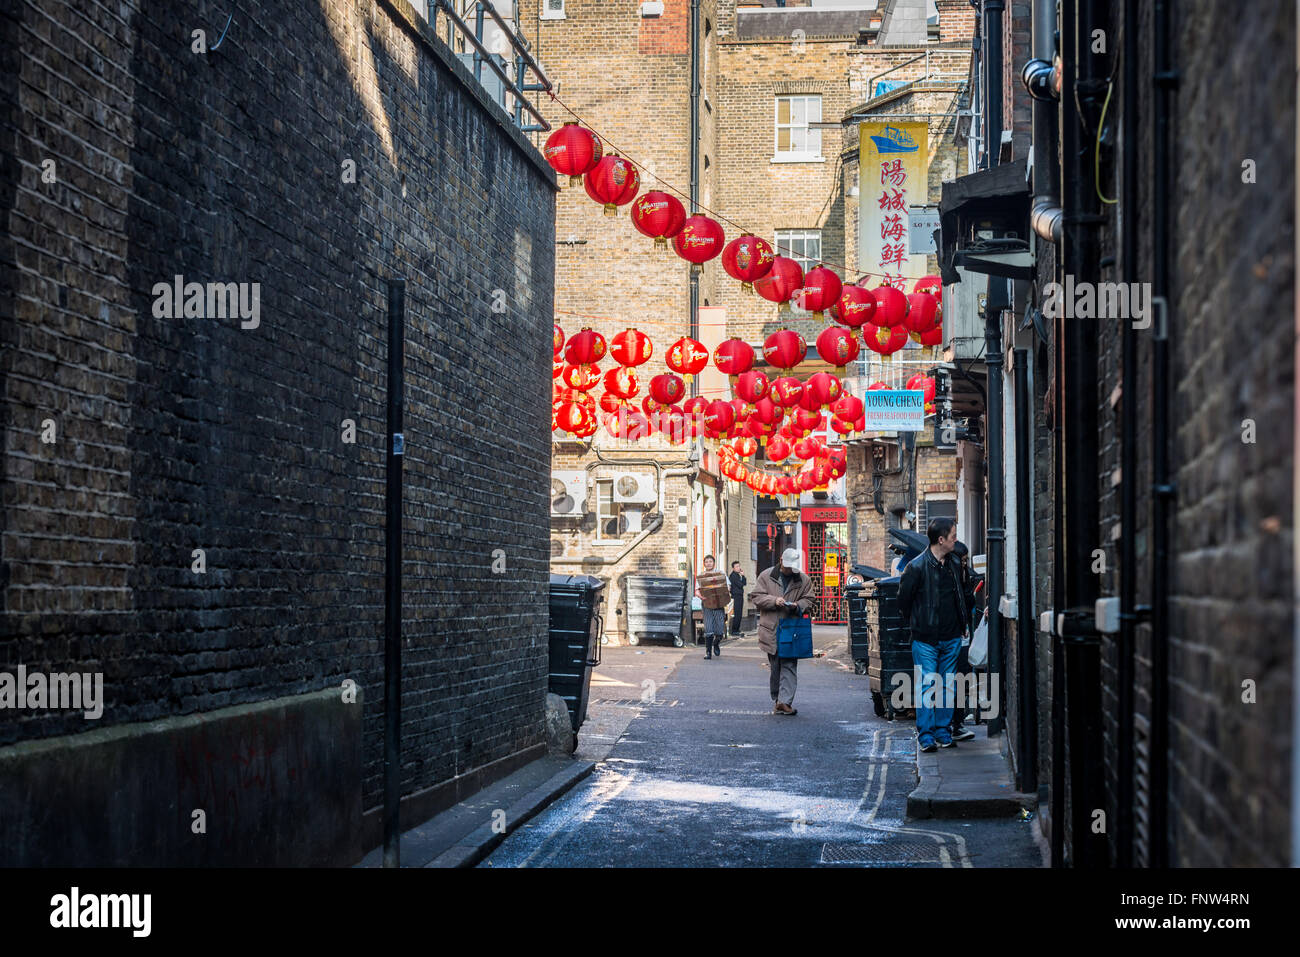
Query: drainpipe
x=1037, y=76
x=1295, y=545
x=1165, y=79
x=1128, y=616
x=695, y=166
x=993, y=82
x=996, y=531
x=1026, y=670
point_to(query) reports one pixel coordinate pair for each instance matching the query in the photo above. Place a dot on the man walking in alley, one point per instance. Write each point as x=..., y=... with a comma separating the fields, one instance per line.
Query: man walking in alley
x=781, y=592
x=932, y=599
x=738, y=583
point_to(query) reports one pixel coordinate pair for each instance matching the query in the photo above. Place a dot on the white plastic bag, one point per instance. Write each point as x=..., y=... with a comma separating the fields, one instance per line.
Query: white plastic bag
x=979, y=645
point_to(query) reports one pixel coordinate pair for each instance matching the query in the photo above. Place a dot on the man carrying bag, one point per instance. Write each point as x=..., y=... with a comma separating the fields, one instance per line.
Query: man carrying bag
x=783, y=595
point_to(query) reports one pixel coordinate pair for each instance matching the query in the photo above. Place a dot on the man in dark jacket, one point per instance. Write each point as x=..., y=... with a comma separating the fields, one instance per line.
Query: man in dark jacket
x=933, y=600
x=738, y=583
x=959, y=731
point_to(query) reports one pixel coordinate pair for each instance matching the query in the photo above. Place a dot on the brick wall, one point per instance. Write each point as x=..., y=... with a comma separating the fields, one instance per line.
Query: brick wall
x=189, y=433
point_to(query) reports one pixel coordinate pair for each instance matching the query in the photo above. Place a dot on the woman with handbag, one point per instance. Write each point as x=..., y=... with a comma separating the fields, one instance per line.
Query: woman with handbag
x=783, y=594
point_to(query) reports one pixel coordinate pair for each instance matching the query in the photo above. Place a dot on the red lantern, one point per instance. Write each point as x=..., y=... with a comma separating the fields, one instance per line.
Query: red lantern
x=778, y=449
x=931, y=284
x=921, y=312
x=719, y=416
x=631, y=348
x=621, y=381
x=699, y=241
x=856, y=306
x=667, y=388
x=821, y=473
x=613, y=182
x=658, y=215
x=557, y=368
x=809, y=421
x=610, y=402
x=627, y=424
x=882, y=340
x=821, y=389
x=687, y=356
x=751, y=386
x=748, y=259
x=786, y=485
x=768, y=412
x=585, y=347
x=805, y=480
x=572, y=150
x=891, y=306
x=786, y=391
x=821, y=290
x=650, y=407
x=784, y=349
x=839, y=462
x=558, y=340
x=695, y=406
x=781, y=282
x=837, y=347
x=581, y=377
x=572, y=417
x=923, y=382
x=734, y=357
x=934, y=337
x=807, y=448
x=847, y=407
x=842, y=426
x=877, y=385
x=672, y=425
x=744, y=446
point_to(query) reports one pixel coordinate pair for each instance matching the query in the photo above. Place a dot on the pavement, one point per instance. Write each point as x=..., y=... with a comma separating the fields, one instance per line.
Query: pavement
x=693, y=769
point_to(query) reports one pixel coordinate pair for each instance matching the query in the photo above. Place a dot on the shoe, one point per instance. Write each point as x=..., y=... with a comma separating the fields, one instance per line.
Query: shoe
x=945, y=742
x=717, y=647
x=785, y=709
x=963, y=734
x=927, y=745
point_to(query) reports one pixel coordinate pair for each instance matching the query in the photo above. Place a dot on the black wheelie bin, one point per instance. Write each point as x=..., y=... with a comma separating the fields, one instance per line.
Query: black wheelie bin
x=576, y=626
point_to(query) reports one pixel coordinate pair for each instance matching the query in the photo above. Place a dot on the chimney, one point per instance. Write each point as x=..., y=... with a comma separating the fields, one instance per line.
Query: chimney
x=956, y=21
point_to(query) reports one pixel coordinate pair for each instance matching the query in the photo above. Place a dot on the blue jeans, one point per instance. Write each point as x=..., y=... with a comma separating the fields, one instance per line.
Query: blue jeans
x=936, y=663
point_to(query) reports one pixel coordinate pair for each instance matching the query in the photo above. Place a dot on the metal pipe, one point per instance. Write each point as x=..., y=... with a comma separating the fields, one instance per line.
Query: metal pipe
x=695, y=168
x=1045, y=214
x=995, y=533
x=393, y=577
x=1165, y=79
x=1124, y=796
x=1026, y=666
x=993, y=77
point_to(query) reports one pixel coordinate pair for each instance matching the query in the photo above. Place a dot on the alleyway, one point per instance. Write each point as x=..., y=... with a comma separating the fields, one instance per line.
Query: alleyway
x=704, y=775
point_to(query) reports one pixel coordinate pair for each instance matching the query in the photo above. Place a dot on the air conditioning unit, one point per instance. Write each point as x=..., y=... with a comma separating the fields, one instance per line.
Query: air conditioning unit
x=568, y=494
x=634, y=487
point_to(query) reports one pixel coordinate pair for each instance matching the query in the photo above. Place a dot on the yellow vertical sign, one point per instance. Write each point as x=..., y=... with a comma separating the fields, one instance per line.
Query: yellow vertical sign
x=892, y=175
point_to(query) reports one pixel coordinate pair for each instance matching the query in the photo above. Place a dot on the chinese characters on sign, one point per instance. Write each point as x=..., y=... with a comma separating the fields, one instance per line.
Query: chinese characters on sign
x=893, y=177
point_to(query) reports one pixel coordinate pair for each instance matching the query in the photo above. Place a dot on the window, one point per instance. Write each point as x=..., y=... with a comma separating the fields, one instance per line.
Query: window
x=552, y=10
x=795, y=140
x=805, y=247
x=610, y=521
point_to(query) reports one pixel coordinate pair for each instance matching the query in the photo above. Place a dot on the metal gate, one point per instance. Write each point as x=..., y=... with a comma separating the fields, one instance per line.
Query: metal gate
x=828, y=556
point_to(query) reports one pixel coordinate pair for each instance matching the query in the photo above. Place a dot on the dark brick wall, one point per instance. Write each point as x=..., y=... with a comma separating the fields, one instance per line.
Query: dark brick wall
x=176, y=434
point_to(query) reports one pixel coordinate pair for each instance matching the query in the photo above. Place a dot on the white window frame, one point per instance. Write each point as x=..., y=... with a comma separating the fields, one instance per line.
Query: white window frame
x=615, y=512
x=781, y=242
x=546, y=13
x=806, y=155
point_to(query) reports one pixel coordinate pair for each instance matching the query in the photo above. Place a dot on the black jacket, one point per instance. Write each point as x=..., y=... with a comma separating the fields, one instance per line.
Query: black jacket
x=738, y=583
x=918, y=596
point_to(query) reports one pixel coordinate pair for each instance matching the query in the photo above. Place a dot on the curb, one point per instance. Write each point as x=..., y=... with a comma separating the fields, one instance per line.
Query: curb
x=482, y=841
x=991, y=801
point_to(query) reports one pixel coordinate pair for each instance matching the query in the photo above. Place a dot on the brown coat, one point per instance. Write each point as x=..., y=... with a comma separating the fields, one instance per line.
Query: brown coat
x=767, y=590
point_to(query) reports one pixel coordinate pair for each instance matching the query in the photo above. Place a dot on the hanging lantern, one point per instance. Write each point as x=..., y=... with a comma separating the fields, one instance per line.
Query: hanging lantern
x=784, y=349
x=585, y=347
x=758, y=429
x=837, y=347
x=588, y=428
x=931, y=284
x=719, y=416
x=820, y=390
x=699, y=241
x=878, y=385
x=768, y=412
x=658, y=215
x=921, y=312
x=652, y=408
x=922, y=382
x=557, y=369
x=672, y=425
x=891, y=306
x=847, y=407
x=884, y=341
x=631, y=347
x=809, y=421
x=734, y=357
x=695, y=406
x=687, y=356
x=842, y=426
x=572, y=150
x=782, y=281
x=805, y=480
x=786, y=485
x=807, y=448
x=861, y=424
x=932, y=338
x=751, y=386
x=747, y=259
x=611, y=403
x=778, y=449
x=744, y=446
x=667, y=388
x=839, y=462
x=612, y=182
x=856, y=306
x=821, y=472
x=786, y=391
x=581, y=377
x=621, y=381
x=572, y=417
x=558, y=340
x=820, y=290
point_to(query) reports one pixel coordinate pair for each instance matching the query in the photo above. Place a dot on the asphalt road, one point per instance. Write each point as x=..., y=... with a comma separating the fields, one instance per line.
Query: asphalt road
x=695, y=771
